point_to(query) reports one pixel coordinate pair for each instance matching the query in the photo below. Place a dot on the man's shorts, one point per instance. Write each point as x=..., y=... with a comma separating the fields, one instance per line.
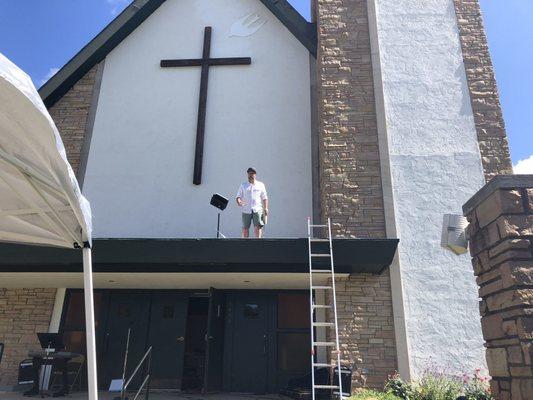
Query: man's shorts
x=256, y=217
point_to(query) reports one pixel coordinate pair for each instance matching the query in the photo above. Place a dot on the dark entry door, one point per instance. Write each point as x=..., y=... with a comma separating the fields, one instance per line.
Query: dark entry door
x=126, y=310
x=214, y=355
x=248, y=343
x=167, y=338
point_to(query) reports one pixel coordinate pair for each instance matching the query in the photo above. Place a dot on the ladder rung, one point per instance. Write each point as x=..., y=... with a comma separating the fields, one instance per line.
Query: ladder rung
x=325, y=387
x=319, y=240
x=320, y=255
x=324, y=344
x=321, y=271
x=320, y=306
x=318, y=225
x=321, y=287
x=323, y=324
x=324, y=365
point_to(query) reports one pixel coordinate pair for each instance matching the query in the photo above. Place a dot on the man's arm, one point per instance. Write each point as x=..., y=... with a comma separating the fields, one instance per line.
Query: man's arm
x=264, y=198
x=240, y=195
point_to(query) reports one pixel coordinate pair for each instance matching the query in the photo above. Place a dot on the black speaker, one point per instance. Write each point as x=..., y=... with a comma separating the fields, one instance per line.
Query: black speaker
x=25, y=372
x=346, y=379
x=219, y=201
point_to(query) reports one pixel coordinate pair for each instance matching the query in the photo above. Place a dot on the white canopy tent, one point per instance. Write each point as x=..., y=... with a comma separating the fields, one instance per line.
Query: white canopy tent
x=40, y=200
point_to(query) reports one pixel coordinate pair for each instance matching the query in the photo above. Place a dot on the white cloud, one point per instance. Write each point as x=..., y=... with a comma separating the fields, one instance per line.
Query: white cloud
x=117, y=5
x=50, y=73
x=524, y=166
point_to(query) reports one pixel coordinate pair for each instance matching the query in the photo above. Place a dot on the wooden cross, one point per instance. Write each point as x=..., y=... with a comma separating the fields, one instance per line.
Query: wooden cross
x=205, y=62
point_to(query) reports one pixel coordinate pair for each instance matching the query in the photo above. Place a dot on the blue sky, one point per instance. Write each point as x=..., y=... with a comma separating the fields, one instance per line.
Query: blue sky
x=42, y=35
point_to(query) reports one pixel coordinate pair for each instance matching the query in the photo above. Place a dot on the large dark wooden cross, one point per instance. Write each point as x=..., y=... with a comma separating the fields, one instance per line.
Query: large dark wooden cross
x=205, y=62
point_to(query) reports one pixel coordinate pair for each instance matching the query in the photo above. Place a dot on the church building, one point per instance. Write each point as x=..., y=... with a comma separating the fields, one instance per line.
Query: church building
x=382, y=115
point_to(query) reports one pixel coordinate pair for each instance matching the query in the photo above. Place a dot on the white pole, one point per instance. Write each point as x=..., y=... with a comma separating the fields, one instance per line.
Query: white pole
x=89, y=323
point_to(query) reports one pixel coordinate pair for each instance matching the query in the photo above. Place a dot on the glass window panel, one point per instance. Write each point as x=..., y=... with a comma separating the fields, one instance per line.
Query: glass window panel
x=293, y=311
x=75, y=316
x=75, y=312
x=294, y=352
x=251, y=310
x=74, y=341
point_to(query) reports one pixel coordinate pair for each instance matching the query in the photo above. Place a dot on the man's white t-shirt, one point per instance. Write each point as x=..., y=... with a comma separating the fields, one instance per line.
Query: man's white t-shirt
x=253, y=196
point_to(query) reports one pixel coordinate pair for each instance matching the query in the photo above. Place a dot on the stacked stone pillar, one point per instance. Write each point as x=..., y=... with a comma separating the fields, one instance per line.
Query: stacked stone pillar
x=501, y=245
x=23, y=313
x=350, y=183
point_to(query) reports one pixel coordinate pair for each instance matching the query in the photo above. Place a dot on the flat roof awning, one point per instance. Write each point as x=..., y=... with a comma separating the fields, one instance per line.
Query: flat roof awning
x=202, y=255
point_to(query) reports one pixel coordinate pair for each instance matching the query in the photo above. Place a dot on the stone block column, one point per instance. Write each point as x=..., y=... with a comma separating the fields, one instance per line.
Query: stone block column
x=23, y=313
x=501, y=246
x=350, y=183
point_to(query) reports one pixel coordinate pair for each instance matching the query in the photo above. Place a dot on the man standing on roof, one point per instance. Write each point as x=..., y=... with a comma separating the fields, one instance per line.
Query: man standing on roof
x=253, y=199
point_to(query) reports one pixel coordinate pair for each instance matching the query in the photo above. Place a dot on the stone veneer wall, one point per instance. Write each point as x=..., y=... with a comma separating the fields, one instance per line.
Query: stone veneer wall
x=350, y=182
x=484, y=96
x=23, y=313
x=501, y=245
x=350, y=174
x=70, y=114
x=366, y=328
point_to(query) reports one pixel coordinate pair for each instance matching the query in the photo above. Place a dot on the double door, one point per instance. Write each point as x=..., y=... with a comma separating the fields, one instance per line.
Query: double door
x=153, y=319
x=158, y=320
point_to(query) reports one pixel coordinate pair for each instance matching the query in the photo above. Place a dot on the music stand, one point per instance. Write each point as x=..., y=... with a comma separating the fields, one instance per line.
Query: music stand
x=51, y=341
x=221, y=203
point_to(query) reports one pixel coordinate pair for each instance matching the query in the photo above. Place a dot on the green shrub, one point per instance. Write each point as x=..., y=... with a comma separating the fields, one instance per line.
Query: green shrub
x=436, y=387
x=373, y=395
x=397, y=386
x=439, y=386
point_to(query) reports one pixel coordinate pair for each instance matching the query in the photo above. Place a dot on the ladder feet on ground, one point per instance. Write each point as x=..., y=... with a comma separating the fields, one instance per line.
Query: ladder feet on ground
x=316, y=274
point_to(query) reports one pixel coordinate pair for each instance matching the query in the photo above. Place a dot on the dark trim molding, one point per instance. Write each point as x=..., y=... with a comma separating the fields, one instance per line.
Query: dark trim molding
x=315, y=153
x=89, y=125
x=127, y=21
x=202, y=256
x=304, y=31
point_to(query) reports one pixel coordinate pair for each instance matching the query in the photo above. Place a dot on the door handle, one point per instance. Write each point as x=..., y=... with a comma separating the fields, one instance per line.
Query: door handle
x=180, y=339
x=264, y=344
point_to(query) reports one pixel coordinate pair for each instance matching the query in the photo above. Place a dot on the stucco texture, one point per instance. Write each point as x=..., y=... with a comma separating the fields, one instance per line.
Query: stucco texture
x=140, y=165
x=435, y=167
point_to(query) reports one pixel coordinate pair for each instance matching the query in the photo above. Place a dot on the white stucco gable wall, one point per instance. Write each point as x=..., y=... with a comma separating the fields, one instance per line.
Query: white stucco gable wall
x=140, y=164
x=435, y=167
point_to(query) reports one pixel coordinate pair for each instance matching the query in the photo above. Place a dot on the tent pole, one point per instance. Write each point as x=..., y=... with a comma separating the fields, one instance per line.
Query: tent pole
x=89, y=322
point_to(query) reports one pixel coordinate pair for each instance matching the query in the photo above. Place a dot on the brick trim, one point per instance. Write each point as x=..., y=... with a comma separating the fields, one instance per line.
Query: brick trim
x=350, y=173
x=484, y=97
x=23, y=313
x=70, y=114
x=351, y=183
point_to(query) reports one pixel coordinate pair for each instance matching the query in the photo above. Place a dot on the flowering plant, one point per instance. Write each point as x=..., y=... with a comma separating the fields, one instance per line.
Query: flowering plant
x=440, y=386
x=477, y=386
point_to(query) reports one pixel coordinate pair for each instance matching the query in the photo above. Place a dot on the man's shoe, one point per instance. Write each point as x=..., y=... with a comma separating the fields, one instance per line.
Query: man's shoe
x=61, y=393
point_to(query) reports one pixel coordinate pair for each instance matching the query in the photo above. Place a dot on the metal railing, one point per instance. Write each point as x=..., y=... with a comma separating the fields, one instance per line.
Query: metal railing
x=146, y=381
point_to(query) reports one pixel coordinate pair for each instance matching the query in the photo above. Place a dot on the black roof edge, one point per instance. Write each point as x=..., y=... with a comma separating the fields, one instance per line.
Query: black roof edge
x=129, y=19
x=303, y=30
x=203, y=255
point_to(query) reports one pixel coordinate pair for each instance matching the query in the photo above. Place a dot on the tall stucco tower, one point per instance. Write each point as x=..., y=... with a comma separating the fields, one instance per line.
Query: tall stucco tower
x=410, y=125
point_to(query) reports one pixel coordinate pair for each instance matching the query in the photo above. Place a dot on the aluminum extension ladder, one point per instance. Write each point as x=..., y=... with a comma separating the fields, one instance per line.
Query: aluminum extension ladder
x=330, y=270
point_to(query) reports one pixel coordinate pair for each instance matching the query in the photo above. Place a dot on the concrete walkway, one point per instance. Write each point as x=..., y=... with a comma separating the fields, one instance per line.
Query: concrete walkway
x=154, y=395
